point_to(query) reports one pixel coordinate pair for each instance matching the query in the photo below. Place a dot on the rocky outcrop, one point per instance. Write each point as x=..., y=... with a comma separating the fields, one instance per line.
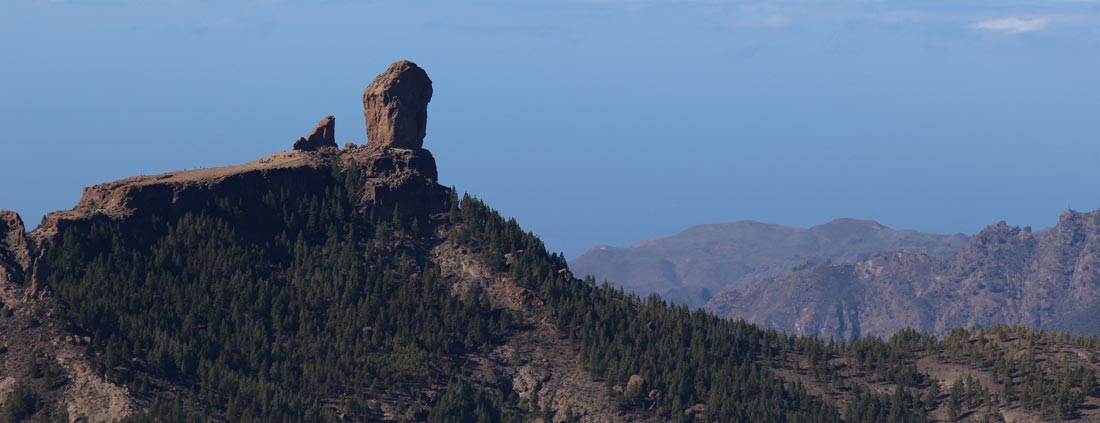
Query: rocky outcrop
x=635, y=386
x=398, y=175
x=395, y=106
x=537, y=361
x=392, y=174
x=15, y=255
x=324, y=135
x=1004, y=274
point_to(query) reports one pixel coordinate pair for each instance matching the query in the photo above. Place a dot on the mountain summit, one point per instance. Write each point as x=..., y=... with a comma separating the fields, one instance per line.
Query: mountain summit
x=347, y=285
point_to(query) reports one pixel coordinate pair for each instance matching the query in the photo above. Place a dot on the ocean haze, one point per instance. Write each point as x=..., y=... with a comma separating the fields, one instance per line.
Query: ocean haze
x=591, y=122
x=226, y=263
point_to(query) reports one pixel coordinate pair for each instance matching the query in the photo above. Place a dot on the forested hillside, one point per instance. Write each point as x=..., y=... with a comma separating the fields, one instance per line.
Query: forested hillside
x=349, y=319
x=347, y=285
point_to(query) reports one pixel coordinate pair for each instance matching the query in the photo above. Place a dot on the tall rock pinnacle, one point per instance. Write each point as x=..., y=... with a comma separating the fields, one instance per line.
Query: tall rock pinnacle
x=395, y=105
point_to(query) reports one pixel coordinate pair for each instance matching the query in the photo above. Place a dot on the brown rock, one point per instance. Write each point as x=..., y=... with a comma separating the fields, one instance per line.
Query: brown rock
x=395, y=106
x=529, y=380
x=695, y=410
x=15, y=256
x=635, y=386
x=324, y=135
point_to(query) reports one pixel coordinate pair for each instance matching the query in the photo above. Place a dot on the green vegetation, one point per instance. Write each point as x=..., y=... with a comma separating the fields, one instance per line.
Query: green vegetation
x=690, y=357
x=291, y=305
x=693, y=357
x=22, y=403
x=1028, y=369
x=461, y=403
x=267, y=307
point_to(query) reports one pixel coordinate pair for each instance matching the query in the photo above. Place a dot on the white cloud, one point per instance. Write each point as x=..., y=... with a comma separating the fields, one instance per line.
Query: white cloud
x=1015, y=25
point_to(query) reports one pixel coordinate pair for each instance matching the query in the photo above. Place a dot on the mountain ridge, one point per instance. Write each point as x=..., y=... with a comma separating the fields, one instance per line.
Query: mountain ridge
x=705, y=260
x=1005, y=274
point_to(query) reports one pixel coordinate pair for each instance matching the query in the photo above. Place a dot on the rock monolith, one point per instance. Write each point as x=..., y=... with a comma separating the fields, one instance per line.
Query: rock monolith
x=395, y=106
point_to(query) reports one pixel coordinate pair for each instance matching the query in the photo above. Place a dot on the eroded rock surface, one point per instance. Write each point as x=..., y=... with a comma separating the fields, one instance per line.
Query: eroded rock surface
x=323, y=135
x=395, y=106
x=15, y=255
x=538, y=360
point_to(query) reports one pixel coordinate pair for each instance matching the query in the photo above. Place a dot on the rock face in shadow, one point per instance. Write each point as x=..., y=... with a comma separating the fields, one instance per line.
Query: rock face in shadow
x=15, y=257
x=324, y=135
x=396, y=176
x=395, y=106
x=1005, y=274
x=705, y=260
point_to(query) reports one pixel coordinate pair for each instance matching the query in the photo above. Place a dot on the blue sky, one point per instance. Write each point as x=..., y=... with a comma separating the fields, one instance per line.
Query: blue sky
x=590, y=121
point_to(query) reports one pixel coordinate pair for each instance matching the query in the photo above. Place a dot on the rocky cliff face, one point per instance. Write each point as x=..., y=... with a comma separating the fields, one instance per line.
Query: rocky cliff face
x=36, y=350
x=704, y=260
x=387, y=177
x=396, y=172
x=1004, y=274
x=395, y=105
x=323, y=135
x=15, y=257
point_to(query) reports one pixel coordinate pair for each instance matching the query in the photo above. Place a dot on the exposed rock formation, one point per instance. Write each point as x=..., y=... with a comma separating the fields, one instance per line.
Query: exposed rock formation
x=536, y=353
x=395, y=106
x=15, y=256
x=1005, y=274
x=324, y=135
x=403, y=177
x=538, y=359
x=398, y=175
x=635, y=386
x=393, y=170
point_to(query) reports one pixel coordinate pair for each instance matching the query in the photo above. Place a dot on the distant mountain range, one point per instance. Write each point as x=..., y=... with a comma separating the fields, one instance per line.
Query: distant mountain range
x=694, y=265
x=1048, y=279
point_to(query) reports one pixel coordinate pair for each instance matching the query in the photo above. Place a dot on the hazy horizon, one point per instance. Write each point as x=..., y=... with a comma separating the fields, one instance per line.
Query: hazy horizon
x=591, y=122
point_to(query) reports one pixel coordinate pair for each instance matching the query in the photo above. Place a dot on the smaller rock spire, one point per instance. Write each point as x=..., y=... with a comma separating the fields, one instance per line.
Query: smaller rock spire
x=322, y=136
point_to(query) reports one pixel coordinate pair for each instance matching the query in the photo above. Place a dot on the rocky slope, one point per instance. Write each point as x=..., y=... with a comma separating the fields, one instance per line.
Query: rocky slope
x=705, y=260
x=37, y=353
x=393, y=177
x=1005, y=274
